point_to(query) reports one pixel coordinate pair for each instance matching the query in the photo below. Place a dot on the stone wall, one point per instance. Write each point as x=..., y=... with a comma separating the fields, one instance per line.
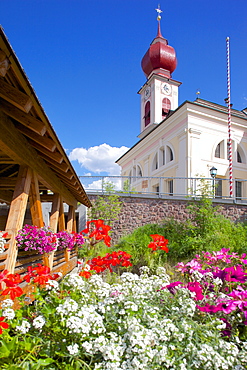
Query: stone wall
x=139, y=210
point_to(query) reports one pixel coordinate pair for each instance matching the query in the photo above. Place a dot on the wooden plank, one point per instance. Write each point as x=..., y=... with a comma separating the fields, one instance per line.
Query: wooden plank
x=17, y=213
x=35, y=203
x=17, y=147
x=15, y=96
x=42, y=140
x=26, y=119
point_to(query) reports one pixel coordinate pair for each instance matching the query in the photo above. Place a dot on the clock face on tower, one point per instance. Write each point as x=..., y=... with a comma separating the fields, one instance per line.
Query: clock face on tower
x=147, y=92
x=166, y=88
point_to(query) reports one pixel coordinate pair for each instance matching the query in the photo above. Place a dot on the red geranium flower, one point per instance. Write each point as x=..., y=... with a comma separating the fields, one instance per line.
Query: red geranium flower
x=159, y=242
x=99, y=232
x=3, y=325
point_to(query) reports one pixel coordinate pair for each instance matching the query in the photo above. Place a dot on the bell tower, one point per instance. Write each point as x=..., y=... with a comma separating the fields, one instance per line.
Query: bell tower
x=159, y=95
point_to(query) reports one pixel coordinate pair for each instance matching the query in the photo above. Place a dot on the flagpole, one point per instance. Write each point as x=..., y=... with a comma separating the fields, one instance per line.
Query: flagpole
x=229, y=114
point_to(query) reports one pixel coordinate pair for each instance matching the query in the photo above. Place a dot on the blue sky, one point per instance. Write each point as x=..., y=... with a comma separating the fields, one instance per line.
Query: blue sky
x=83, y=59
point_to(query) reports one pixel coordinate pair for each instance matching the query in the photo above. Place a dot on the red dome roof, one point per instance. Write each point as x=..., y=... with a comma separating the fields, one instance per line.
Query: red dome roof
x=160, y=56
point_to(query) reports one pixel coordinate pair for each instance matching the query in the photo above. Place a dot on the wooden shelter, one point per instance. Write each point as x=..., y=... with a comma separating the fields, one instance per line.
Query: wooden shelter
x=34, y=167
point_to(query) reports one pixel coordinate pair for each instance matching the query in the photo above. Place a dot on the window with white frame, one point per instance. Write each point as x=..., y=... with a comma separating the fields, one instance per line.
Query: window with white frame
x=238, y=189
x=155, y=162
x=162, y=156
x=219, y=150
x=170, y=155
x=240, y=157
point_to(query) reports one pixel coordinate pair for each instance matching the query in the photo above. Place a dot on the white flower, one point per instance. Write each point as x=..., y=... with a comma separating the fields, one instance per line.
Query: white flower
x=73, y=349
x=7, y=303
x=39, y=322
x=24, y=327
x=52, y=285
x=9, y=313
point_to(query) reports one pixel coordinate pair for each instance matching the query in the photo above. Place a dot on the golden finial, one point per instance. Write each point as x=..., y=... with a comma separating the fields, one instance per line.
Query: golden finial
x=159, y=11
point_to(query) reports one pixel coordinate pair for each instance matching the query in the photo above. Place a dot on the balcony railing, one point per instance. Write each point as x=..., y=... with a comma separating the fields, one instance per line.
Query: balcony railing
x=163, y=187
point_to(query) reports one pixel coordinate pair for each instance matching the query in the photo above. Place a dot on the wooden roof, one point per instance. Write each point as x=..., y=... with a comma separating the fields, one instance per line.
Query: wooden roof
x=27, y=137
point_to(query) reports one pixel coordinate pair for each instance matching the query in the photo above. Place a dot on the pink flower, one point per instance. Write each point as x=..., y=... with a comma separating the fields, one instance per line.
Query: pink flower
x=196, y=288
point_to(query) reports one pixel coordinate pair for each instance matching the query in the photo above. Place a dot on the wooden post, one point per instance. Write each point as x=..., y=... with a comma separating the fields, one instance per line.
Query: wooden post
x=17, y=213
x=54, y=218
x=61, y=220
x=35, y=203
x=48, y=260
x=71, y=219
x=70, y=229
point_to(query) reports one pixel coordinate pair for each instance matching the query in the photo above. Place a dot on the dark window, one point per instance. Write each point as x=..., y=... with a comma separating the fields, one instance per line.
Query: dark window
x=166, y=106
x=238, y=189
x=239, y=159
x=170, y=154
x=218, y=188
x=217, y=151
x=170, y=187
x=147, y=113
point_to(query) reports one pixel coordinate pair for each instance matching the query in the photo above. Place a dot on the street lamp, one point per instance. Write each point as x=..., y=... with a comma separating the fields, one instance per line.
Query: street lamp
x=213, y=173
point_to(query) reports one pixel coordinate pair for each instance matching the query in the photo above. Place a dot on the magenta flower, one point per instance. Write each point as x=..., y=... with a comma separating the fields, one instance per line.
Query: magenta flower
x=172, y=287
x=235, y=273
x=196, y=288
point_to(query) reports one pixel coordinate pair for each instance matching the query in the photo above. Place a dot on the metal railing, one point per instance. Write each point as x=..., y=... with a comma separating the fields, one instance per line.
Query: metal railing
x=166, y=186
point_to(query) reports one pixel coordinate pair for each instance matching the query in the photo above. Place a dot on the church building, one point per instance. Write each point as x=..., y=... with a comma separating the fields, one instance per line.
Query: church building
x=180, y=143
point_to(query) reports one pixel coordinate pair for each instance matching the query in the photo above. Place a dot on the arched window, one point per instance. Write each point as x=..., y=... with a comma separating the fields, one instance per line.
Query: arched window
x=166, y=106
x=240, y=157
x=147, y=113
x=219, y=150
x=170, y=156
x=137, y=172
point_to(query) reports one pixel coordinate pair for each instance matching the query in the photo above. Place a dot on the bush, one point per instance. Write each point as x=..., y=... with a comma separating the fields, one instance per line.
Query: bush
x=206, y=229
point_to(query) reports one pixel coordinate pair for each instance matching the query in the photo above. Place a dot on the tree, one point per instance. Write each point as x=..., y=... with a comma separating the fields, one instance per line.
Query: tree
x=107, y=206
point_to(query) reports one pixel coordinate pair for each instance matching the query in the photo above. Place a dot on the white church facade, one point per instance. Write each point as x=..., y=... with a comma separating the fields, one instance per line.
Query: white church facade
x=179, y=143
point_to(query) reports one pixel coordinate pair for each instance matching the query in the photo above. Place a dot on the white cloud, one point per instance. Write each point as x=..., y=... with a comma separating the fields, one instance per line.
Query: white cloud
x=97, y=184
x=100, y=158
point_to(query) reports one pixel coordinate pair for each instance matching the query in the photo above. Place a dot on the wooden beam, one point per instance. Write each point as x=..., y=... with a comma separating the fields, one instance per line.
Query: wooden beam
x=4, y=63
x=7, y=183
x=35, y=203
x=67, y=175
x=17, y=213
x=17, y=147
x=42, y=140
x=60, y=167
x=6, y=160
x=26, y=119
x=56, y=156
x=15, y=96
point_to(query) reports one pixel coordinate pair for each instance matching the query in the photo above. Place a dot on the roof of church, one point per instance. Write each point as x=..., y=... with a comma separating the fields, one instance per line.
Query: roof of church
x=160, y=57
x=221, y=108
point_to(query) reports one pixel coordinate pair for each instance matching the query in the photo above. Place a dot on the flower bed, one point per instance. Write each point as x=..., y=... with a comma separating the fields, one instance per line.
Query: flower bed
x=100, y=320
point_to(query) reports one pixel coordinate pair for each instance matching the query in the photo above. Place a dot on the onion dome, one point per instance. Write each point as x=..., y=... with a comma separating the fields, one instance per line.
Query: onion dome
x=160, y=57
